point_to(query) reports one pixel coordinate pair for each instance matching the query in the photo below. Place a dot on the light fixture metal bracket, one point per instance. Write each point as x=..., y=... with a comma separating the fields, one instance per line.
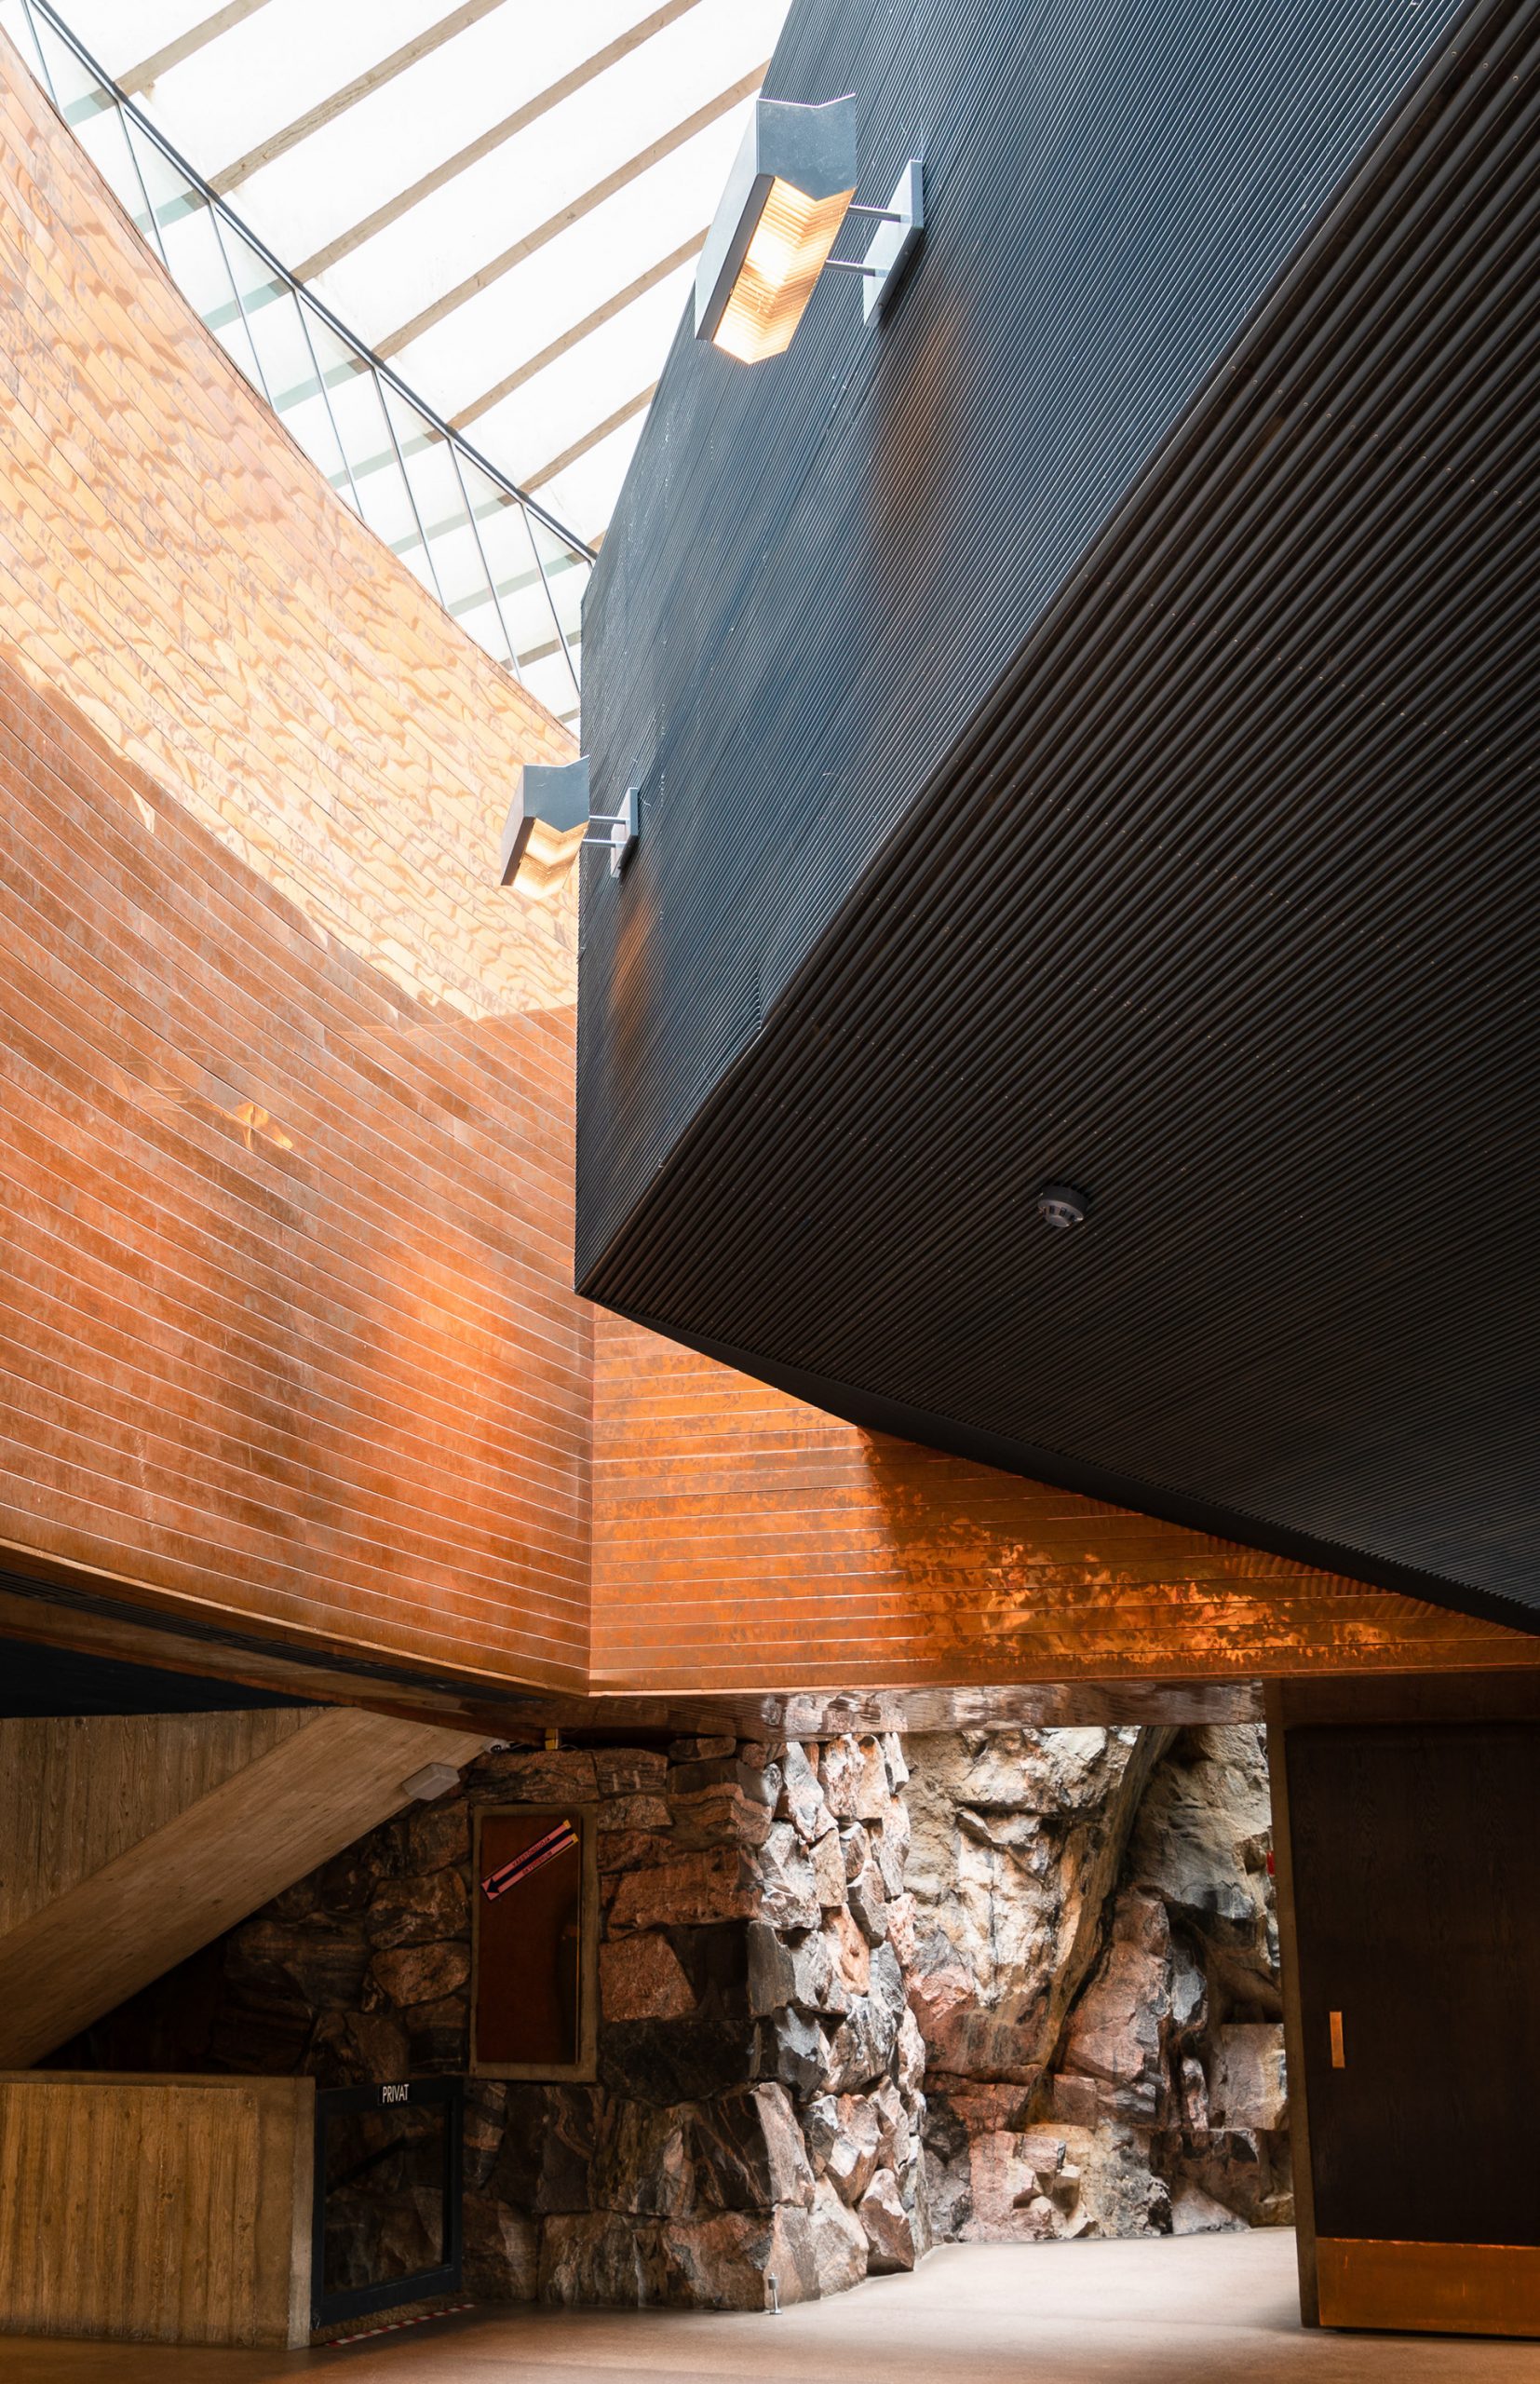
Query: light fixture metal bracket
x=620, y=830
x=896, y=238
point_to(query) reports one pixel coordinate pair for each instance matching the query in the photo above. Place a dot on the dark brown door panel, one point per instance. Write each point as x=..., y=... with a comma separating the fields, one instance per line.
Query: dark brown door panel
x=1416, y=1856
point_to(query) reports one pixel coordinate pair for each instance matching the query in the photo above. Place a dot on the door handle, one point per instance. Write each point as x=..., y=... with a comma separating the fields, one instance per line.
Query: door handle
x=1339, y=2058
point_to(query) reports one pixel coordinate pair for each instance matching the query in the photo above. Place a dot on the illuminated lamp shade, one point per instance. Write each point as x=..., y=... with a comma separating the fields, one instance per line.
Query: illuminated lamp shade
x=546, y=824
x=549, y=822
x=781, y=214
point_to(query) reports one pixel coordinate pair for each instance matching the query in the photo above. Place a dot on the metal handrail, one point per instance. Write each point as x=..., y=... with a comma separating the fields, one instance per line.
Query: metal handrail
x=365, y=355
x=520, y=605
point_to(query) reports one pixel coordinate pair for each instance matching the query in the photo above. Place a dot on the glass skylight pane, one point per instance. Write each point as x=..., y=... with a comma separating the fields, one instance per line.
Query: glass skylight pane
x=566, y=578
x=291, y=371
x=241, y=90
x=122, y=37
x=511, y=195
x=375, y=471
x=391, y=501
x=558, y=288
x=195, y=258
x=76, y=93
x=272, y=67
x=411, y=124
x=458, y=563
x=260, y=291
x=481, y=621
x=347, y=385
x=86, y=104
x=457, y=560
x=104, y=137
x=428, y=463
x=16, y=20
x=548, y=681
x=516, y=573
x=585, y=494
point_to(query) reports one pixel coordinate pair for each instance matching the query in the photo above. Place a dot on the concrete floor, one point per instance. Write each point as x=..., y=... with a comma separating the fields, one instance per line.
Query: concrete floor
x=1202, y=2310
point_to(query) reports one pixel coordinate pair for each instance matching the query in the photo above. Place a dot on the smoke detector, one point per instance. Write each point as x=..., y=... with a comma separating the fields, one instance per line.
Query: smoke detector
x=1060, y=1205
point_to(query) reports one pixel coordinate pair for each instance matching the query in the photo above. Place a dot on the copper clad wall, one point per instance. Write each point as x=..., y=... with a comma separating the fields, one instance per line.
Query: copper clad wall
x=744, y=1541
x=285, y=1328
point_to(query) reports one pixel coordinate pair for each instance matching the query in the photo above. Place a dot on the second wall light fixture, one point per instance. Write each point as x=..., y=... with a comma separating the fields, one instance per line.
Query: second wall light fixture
x=791, y=187
x=549, y=822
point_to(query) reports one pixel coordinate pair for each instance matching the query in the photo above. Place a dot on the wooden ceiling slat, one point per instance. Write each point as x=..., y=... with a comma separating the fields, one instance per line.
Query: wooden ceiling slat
x=373, y=78
x=188, y=45
x=495, y=269
x=572, y=338
x=590, y=439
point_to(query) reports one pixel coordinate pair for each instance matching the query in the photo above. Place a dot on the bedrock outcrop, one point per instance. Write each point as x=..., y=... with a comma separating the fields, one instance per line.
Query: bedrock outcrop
x=854, y=1996
x=755, y=2129
x=1096, y=1975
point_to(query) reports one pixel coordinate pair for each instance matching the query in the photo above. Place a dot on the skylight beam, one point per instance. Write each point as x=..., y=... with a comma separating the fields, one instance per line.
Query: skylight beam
x=592, y=439
x=188, y=45
x=579, y=331
x=373, y=78
x=497, y=266
x=485, y=143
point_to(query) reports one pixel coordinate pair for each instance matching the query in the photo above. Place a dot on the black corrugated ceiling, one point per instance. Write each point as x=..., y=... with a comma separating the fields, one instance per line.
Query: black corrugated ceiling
x=1223, y=904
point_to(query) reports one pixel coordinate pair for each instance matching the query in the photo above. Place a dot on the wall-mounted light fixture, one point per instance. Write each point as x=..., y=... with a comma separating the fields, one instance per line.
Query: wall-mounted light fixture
x=549, y=822
x=903, y=221
x=791, y=187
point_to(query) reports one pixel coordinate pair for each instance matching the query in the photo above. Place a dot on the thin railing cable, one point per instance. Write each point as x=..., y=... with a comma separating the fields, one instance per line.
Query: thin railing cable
x=461, y=450
x=365, y=355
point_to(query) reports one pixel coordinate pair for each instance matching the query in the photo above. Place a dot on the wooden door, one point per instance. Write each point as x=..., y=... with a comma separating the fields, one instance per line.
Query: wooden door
x=1416, y=1879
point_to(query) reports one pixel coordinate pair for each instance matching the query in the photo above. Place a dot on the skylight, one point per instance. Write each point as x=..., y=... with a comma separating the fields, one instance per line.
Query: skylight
x=503, y=203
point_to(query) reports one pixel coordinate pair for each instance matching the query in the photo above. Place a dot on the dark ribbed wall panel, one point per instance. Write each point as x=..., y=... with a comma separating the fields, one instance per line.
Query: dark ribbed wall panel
x=1223, y=906
x=821, y=566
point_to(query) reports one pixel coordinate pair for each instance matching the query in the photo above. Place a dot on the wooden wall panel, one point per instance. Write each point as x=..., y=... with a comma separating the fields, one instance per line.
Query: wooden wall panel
x=170, y=2210
x=285, y=1324
x=74, y=1794
x=180, y=1868
x=743, y=1542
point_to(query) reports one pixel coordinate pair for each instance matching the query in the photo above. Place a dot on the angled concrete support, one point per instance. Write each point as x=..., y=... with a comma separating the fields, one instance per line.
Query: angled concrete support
x=127, y=1842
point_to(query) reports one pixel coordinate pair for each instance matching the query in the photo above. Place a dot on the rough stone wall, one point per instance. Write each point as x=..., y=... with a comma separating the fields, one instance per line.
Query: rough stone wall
x=1078, y=1946
x=759, y=2110
x=755, y=2126
x=1096, y=1974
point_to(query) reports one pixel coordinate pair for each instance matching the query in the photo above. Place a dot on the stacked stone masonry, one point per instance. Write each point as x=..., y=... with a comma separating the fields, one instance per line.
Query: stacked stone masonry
x=755, y=2132
x=1079, y=1942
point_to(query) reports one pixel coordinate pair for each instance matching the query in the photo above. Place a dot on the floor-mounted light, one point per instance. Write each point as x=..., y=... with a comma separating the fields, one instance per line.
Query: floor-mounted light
x=791, y=187
x=549, y=822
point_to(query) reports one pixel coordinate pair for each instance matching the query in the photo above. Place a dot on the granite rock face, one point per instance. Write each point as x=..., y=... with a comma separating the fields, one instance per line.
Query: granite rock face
x=854, y=1996
x=755, y=2130
x=1096, y=1974
x=757, y=2064
x=753, y=2062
